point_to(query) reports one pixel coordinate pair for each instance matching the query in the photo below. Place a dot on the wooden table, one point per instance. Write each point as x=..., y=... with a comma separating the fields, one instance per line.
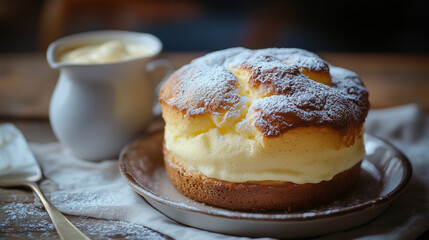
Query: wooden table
x=27, y=82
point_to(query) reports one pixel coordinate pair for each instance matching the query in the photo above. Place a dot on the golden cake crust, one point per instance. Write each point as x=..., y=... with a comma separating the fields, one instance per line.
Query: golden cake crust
x=258, y=196
x=293, y=88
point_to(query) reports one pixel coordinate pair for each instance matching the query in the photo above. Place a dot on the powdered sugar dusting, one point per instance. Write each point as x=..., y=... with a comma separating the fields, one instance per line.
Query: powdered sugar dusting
x=308, y=103
x=298, y=57
x=15, y=212
x=24, y=214
x=289, y=98
x=275, y=76
x=201, y=89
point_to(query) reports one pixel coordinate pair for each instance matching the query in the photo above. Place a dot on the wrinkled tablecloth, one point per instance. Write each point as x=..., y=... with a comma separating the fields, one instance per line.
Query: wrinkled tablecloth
x=97, y=189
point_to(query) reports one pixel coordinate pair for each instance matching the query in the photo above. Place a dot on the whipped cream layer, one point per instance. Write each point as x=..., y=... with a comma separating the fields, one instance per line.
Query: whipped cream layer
x=301, y=155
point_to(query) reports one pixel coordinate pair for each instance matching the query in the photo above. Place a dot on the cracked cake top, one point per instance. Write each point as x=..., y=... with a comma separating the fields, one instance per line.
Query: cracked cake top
x=277, y=89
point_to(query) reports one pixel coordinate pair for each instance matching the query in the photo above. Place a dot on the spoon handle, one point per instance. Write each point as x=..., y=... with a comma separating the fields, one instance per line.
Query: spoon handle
x=66, y=230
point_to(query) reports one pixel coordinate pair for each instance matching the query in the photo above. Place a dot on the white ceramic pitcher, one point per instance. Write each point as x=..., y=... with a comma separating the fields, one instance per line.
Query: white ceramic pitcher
x=97, y=108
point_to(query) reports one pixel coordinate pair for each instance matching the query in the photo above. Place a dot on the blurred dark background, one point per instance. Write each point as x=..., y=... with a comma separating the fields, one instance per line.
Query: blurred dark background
x=351, y=26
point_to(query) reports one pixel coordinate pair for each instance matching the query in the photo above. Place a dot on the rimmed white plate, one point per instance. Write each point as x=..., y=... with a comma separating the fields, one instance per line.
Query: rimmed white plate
x=385, y=173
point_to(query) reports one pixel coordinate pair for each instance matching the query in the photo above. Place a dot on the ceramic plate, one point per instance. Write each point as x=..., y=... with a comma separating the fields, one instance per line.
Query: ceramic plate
x=385, y=174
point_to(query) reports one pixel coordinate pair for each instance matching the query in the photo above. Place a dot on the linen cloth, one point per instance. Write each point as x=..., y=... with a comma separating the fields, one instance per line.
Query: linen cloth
x=97, y=189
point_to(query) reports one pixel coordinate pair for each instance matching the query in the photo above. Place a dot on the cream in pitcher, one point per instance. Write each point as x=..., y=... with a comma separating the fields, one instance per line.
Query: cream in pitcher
x=108, y=51
x=104, y=97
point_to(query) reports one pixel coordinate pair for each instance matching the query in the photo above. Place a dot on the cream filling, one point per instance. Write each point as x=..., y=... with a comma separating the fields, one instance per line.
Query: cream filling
x=301, y=155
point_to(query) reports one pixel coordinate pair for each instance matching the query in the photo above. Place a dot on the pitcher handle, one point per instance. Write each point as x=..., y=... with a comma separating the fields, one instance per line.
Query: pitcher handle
x=150, y=67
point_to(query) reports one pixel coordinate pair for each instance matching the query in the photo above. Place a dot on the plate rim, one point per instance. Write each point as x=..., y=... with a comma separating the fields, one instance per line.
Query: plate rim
x=276, y=216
